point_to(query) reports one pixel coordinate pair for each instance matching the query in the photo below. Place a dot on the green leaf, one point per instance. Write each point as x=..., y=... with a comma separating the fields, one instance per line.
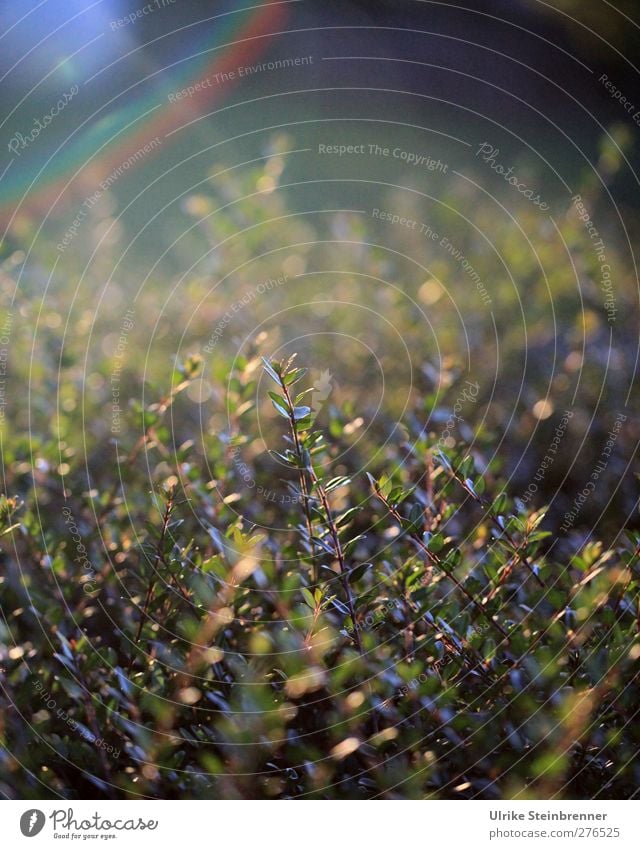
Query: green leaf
x=454, y=558
x=294, y=376
x=358, y=571
x=467, y=467
x=348, y=547
x=300, y=413
x=71, y=688
x=415, y=521
x=278, y=399
x=436, y=543
x=280, y=409
x=414, y=577
x=536, y=536
x=271, y=371
x=336, y=483
x=323, y=545
x=340, y=606
x=301, y=395
x=444, y=461
x=398, y=494
x=308, y=598
x=500, y=504
x=304, y=424
x=385, y=485
x=346, y=517
x=289, y=458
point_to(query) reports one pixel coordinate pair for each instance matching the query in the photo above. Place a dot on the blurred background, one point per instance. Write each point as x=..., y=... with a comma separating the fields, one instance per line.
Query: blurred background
x=336, y=179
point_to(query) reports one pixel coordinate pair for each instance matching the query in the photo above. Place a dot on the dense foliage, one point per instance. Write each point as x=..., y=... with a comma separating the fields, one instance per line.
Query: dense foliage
x=268, y=625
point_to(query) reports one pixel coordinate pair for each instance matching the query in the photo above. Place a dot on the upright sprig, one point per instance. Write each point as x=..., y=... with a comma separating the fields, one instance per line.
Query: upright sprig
x=160, y=566
x=151, y=419
x=324, y=529
x=504, y=527
x=430, y=545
